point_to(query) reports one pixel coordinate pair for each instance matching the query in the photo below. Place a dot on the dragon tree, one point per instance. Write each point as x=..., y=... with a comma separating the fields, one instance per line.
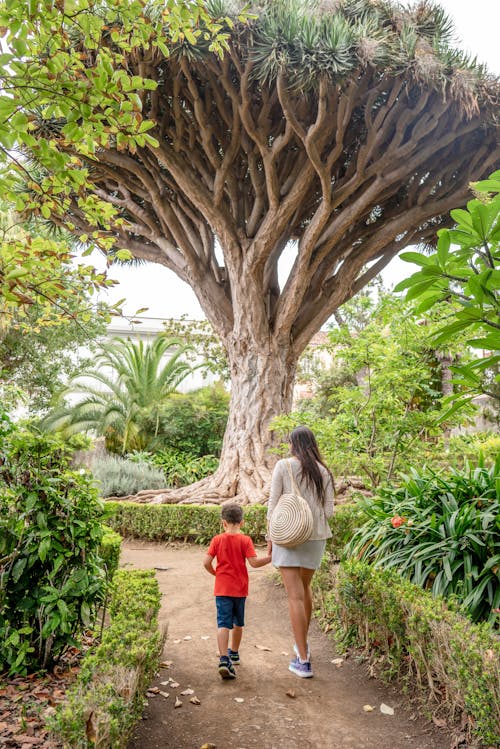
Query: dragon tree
x=343, y=130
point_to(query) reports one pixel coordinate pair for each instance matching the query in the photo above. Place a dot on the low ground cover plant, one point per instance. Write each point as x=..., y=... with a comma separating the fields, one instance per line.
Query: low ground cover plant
x=119, y=477
x=442, y=532
x=101, y=708
x=440, y=655
x=53, y=578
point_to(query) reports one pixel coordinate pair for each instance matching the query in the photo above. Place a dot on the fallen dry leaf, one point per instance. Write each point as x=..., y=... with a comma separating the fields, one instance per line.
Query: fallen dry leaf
x=263, y=647
x=165, y=683
x=188, y=637
x=205, y=637
x=290, y=693
x=176, y=642
x=368, y=708
x=439, y=722
x=239, y=699
x=386, y=710
x=186, y=692
x=174, y=684
x=208, y=746
x=166, y=664
x=165, y=694
x=284, y=652
x=178, y=702
x=337, y=662
x=155, y=690
x=195, y=701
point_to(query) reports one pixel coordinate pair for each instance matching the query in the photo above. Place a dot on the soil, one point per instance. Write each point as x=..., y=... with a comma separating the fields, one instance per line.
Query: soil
x=254, y=710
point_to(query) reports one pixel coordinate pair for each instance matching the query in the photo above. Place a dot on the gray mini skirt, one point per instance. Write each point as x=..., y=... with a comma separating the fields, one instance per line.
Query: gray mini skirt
x=307, y=555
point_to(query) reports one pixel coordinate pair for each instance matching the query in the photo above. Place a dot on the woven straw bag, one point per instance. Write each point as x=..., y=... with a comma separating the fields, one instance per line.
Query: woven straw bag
x=291, y=523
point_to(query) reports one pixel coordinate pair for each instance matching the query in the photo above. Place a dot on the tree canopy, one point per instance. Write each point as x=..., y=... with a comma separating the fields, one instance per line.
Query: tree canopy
x=208, y=142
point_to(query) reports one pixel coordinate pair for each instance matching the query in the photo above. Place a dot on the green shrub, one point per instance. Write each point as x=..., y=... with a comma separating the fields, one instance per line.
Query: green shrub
x=442, y=533
x=110, y=551
x=199, y=523
x=192, y=422
x=101, y=708
x=179, y=468
x=436, y=651
x=345, y=521
x=118, y=477
x=52, y=579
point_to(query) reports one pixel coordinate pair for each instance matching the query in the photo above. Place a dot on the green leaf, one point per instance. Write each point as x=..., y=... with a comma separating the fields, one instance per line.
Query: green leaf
x=416, y=258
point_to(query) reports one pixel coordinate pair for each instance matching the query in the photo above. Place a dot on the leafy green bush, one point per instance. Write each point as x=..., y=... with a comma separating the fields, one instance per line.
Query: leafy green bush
x=101, y=708
x=110, y=551
x=118, y=477
x=199, y=523
x=52, y=579
x=192, y=422
x=179, y=468
x=344, y=523
x=442, y=532
x=472, y=448
x=439, y=654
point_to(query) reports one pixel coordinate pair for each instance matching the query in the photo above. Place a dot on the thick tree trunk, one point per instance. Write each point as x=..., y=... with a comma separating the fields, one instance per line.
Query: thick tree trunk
x=262, y=378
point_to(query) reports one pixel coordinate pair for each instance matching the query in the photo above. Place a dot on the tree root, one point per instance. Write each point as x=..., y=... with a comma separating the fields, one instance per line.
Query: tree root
x=210, y=490
x=215, y=490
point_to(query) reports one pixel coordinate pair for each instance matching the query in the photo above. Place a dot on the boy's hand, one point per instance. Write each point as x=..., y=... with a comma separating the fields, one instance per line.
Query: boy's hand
x=207, y=563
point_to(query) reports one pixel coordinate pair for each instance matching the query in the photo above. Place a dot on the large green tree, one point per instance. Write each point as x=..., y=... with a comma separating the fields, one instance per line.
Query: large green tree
x=348, y=128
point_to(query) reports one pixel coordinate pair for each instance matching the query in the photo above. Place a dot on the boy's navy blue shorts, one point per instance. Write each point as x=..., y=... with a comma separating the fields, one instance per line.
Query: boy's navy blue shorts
x=230, y=611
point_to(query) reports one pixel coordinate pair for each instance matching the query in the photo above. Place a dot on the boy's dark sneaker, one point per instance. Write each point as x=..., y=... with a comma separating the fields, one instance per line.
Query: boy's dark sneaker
x=226, y=668
x=233, y=655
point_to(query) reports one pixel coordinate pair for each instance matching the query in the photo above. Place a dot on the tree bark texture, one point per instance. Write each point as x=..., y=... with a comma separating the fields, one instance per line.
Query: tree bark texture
x=350, y=173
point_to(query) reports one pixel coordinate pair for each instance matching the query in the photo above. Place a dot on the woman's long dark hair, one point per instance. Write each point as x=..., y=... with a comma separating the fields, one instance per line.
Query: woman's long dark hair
x=305, y=448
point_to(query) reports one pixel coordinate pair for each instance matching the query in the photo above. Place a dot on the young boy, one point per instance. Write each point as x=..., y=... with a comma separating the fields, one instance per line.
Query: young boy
x=231, y=549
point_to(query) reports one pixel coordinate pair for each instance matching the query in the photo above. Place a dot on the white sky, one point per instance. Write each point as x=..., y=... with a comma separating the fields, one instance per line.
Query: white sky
x=477, y=24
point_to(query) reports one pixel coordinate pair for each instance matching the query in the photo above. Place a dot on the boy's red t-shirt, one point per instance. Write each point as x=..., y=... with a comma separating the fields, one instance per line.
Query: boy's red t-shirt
x=231, y=574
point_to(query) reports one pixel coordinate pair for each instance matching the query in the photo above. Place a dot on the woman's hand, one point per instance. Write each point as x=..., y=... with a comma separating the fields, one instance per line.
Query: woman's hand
x=269, y=547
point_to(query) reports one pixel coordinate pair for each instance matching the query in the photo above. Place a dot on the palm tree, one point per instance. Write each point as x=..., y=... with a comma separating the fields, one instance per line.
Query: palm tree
x=127, y=382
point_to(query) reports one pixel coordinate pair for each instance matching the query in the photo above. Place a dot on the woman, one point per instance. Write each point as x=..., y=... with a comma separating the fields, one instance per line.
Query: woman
x=297, y=564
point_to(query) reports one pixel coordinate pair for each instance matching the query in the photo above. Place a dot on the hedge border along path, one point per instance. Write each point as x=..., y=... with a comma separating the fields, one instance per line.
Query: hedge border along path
x=438, y=653
x=199, y=523
x=102, y=707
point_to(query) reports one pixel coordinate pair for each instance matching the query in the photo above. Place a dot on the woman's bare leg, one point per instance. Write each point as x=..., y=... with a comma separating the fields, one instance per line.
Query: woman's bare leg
x=294, y=587
x=306, y=577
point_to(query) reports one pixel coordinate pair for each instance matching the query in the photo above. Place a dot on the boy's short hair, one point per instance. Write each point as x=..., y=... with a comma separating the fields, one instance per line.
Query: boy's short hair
x=232, y=514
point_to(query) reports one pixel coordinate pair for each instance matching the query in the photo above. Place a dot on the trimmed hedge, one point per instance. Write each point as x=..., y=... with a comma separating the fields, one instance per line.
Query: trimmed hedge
x=199, y=523
x=102, y=707
x=110, y=551
x=438, y=652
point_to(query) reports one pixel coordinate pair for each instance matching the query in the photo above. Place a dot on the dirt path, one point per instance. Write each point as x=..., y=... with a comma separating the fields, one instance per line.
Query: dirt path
x=327, y=711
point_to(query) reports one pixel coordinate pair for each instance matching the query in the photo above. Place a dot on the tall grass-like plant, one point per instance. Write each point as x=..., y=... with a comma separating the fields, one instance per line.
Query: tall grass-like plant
x=442, y=532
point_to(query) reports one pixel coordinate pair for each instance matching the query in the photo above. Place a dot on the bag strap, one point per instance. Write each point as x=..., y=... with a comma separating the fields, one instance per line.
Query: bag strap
x=292, y=479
